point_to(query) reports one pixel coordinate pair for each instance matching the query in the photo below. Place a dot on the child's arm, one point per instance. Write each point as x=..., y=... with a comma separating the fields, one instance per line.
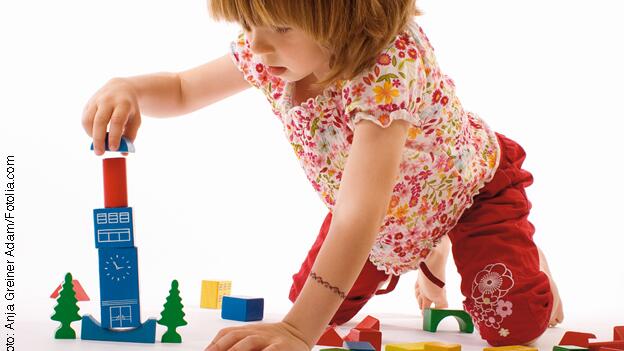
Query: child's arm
x=121, y=101
x=174, y=94
x=361, y=204
x=209, y=83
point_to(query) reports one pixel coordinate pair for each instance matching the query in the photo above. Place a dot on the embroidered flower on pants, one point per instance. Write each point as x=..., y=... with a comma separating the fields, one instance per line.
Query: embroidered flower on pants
x=503, y=308
x=489, y=286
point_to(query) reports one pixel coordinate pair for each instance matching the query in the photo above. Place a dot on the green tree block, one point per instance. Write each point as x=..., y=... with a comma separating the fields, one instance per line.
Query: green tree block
x=433, y=316
x=66, y=310
x=172, y=315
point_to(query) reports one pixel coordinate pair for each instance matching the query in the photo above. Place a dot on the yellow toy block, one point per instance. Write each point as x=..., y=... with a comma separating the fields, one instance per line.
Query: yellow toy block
x=212, y=292
x=418, y=346
x=511, y=348
x=438, y=346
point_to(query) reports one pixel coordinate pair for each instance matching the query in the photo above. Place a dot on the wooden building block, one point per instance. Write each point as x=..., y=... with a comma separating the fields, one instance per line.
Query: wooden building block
x=359, y=346
x=618, y=333
x=576, y=338
x=92, y=330
x=373, y=336
x=81, y=295
x=569, y=348
x=433, y=316
x=369, y=322
x=596, y=346
x=115, y=184
x=242, y=308
x=409, y=346
x=212, y=292
x=330, y=337
x=438, y=346
x=511, y=348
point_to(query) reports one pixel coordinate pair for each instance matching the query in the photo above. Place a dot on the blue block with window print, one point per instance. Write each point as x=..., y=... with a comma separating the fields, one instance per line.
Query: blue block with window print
x=119, y=287
x=113, y=227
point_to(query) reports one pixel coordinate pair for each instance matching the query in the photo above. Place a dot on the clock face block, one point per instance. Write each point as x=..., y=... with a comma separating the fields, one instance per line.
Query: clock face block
x=113, y=227
x=119, y=287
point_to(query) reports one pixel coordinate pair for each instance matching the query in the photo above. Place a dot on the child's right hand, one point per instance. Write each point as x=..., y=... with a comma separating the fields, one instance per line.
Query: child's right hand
x=116, y=102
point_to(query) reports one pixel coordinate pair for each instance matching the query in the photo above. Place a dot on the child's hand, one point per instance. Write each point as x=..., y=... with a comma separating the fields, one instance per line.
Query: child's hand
x=260, y=336
x=115, y=102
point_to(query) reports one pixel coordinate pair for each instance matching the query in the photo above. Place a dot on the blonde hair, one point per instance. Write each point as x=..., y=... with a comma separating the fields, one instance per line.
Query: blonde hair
x=353, y=31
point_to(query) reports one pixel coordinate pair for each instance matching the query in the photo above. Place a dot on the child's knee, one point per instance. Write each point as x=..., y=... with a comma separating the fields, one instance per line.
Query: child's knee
x=510, y=309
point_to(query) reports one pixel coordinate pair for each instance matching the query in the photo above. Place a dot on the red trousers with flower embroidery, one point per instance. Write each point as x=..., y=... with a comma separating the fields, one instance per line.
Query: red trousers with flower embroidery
x=505, y=292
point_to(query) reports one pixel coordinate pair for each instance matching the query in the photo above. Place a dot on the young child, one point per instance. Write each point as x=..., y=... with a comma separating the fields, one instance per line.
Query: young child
x=403, y=169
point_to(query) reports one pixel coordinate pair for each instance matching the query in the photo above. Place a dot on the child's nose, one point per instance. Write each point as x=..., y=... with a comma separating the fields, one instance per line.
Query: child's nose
x=259, y=46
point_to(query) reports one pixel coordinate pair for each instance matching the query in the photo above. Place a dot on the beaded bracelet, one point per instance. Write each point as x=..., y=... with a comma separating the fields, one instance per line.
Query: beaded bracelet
x=327, y=285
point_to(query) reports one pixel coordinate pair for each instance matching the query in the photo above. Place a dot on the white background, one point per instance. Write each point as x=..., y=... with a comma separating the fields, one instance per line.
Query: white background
x=218, y=194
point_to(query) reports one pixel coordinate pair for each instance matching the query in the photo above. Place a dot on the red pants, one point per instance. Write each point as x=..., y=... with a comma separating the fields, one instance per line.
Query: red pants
x=506, y=294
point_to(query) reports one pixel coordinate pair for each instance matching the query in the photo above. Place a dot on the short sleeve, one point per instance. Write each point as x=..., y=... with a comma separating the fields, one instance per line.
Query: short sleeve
x=391, y=89
x=245, y=61
x=254, y=71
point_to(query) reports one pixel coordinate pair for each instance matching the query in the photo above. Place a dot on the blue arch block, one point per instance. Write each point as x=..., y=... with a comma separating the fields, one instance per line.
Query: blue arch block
x=91, y=330
x=125, y=145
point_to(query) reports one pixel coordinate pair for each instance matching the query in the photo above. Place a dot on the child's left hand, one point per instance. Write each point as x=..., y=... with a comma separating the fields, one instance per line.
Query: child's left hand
x=260, y=336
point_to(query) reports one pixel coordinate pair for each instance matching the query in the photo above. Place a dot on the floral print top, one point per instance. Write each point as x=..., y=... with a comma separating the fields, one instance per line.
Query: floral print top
x=449, y=153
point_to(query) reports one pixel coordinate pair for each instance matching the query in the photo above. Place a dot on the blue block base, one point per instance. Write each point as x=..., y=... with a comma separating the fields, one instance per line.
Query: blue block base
x=91, y=330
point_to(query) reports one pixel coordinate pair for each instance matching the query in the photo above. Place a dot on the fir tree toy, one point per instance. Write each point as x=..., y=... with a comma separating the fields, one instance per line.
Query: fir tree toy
x=172, y=315
x=66, y=310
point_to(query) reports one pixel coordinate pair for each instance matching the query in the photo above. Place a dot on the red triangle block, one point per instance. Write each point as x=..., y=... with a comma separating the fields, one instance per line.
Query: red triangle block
x=369, y=322
x=617, y=345
x=576, y=339
x=81, y=295
x=618, y=333
x=330, y=337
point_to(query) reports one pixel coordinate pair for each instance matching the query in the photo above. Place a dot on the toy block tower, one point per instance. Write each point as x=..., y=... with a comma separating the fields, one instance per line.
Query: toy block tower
x=114, y=239
x=118, y=263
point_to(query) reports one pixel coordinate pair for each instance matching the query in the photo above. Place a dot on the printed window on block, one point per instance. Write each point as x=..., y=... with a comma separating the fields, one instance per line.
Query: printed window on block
x=113, y=235
x=121, y=316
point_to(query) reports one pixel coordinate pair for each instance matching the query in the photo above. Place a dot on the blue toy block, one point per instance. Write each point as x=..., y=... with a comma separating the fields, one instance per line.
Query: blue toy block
x=144, y=333
x=359, y=345
x=119, y=287
x=242, y=308
x=125, y=145
x=113, y=227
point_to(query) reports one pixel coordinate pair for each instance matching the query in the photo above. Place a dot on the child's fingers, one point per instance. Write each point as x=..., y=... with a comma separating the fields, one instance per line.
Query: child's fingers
x=102, y=116
x=251, y=342
x=221, y=333
x=88, y=114
x=132, y=126
x=227, y=340
x=117, y=123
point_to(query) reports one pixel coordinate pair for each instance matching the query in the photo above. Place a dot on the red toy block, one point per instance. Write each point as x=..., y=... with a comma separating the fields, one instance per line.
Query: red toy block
x=369, y=322
x=618, y=333
x=81, y=295
x=576, y=338
x=617, y=345
x=373, y=336
x=330, y=337
x=607, y=349
x=115, y=185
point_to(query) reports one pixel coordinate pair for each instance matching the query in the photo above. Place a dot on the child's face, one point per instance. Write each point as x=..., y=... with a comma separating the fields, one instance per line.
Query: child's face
x=295, y=52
